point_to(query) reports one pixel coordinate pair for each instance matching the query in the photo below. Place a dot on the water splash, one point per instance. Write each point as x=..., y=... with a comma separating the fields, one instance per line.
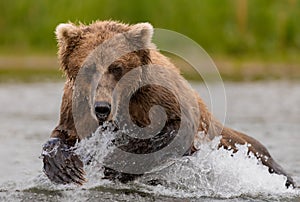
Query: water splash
x=93, y=150
x=222, y=174
x=210, y=172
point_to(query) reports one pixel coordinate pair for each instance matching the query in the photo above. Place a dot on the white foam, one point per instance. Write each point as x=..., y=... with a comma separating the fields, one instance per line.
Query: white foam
x=210, y=172
x=216, y=173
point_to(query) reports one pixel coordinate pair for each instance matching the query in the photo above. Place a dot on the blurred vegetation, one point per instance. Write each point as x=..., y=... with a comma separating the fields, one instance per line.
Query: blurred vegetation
x=29, y=75
x=261, y=30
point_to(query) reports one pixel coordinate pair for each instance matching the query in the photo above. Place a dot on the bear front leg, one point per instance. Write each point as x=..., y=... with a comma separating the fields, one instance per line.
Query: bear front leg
x=61, y=164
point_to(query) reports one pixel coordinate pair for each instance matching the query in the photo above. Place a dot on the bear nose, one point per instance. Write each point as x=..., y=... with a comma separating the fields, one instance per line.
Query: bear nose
x=102, y=110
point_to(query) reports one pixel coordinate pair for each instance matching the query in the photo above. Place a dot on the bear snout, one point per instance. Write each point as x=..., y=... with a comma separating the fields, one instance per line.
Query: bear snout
x=102, y=111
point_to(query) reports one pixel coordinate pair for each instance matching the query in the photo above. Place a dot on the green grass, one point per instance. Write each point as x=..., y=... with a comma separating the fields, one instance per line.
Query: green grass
x=248, y=39
x=232, y=28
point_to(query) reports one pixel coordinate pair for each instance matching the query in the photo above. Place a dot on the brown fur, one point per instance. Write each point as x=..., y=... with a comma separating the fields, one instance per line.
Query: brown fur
x=77, y=42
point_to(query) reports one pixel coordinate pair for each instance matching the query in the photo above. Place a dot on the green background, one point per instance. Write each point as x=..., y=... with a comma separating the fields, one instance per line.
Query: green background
x=234, y=32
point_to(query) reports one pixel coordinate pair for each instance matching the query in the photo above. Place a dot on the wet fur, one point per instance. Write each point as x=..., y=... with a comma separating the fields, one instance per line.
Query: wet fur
x=76, y=42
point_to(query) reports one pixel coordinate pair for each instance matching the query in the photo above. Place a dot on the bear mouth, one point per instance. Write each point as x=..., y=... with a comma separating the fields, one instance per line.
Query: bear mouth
x=101, y=119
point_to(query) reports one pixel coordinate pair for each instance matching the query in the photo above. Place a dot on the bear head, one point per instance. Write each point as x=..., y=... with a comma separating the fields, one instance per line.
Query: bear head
x=77, y=42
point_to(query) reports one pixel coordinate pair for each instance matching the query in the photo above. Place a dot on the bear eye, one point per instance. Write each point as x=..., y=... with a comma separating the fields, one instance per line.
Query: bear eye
x=116, y=70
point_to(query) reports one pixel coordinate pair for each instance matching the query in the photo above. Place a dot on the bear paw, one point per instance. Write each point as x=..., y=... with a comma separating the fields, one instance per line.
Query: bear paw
x=61, y=164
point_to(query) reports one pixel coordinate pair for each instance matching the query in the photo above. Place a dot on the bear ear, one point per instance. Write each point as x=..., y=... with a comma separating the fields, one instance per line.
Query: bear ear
x=141, y=34
x=67, y=35
x=66, y=31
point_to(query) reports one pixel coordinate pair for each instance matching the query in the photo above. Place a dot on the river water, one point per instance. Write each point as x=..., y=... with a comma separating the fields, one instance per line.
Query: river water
x=268, y=111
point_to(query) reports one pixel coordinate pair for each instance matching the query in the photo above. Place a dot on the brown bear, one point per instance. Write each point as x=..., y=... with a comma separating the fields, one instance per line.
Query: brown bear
x=76, y=43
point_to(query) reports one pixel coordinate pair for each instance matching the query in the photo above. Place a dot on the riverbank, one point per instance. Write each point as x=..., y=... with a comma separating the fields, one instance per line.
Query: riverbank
x=32, y=68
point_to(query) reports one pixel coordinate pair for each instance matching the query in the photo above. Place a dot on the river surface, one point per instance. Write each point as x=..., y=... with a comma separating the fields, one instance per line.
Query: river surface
x=268, y=111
